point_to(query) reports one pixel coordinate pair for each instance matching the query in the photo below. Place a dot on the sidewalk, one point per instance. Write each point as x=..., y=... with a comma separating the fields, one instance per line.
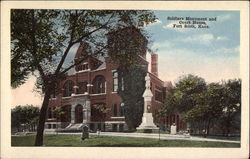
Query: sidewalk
x=153, y=136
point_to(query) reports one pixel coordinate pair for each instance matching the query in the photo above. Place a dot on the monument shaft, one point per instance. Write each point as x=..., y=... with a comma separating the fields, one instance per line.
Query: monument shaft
x=147, y=118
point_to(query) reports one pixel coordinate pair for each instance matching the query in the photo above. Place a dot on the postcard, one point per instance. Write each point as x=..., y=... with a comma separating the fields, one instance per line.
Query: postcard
x=123, y=79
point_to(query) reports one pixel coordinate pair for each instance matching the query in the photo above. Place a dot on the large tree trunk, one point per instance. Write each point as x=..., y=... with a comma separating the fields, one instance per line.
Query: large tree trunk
x=42, y=118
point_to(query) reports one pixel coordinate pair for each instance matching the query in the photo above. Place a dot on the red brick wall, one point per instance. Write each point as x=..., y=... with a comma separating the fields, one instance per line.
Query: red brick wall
x=154, y=64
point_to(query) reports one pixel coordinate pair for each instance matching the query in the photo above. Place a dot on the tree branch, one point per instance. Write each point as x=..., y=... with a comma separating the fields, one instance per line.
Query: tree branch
x=33, y=52
x=80, y=61
x=77, y=41
x=70, y=44
x=89, y=33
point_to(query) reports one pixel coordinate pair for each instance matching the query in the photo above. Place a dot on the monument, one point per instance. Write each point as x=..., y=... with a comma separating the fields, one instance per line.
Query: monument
x=173, y=129
x=147, y=119
x=85, y=133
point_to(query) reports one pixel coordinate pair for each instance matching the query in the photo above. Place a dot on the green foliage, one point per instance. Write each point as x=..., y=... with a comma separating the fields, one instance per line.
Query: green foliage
x=58, y=111
x=101, y=108
x=102, y=111
x=24, y=115
x=206, y=105
x=133, y=79
x=231, y=115
x=186, y=91
x=33, y=42
x=125, y=45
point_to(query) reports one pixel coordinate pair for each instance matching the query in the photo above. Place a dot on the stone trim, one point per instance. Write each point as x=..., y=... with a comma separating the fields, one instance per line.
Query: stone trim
x=115, y=122
x=118, y=117
x=97, y=94
x=66, y=97
x=98, y=70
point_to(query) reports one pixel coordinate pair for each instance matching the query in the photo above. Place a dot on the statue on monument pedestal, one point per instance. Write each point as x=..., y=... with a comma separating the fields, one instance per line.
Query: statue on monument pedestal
x=147, y=119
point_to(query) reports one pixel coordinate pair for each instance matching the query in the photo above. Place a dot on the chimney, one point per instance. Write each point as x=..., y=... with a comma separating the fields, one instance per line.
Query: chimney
x=154, y=64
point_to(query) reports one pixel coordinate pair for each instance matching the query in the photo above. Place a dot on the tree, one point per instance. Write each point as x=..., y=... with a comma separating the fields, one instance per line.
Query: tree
x=131, y=89
x=187, y=90
x=58, y=111
x=41, y=41
x=24, y=115
x=208, y=107
x=183, y=98
x=230, y=117
x=102, y=111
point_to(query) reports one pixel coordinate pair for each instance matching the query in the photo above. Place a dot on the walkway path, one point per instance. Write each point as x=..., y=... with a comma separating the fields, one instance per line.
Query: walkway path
x=153, y=136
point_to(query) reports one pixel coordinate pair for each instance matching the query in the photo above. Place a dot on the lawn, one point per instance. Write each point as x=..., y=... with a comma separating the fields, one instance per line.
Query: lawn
x=94, y=141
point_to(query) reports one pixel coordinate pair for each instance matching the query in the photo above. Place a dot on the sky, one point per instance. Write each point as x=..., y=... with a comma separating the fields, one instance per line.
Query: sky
x=211, y=53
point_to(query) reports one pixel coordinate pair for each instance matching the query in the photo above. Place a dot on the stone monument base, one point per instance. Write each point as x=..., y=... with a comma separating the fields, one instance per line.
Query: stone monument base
x=147, y=123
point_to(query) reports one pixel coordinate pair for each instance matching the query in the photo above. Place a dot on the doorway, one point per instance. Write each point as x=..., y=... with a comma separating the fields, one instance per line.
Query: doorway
x=78, y=114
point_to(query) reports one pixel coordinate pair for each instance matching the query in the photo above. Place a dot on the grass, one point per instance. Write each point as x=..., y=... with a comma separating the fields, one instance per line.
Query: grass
x=94, y=141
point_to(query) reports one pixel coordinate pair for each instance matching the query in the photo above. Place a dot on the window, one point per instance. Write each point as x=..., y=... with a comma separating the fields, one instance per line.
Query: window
x=115, y=81
x=68, y=88
x=83, y=67
x=54, y=126
x=99, y=85
x=114, y=127
x=114, y=110
x=121, y=127
x=82, y=88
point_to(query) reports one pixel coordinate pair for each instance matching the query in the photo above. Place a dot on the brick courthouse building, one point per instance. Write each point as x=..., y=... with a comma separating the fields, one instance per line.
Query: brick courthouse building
x=95, y=83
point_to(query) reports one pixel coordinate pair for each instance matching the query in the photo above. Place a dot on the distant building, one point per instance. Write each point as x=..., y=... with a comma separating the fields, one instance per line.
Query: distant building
x=95, y=83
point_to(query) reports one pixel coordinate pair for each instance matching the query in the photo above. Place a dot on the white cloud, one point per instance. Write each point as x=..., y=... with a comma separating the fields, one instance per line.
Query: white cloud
x=204, y=39
x=223, y=18
x=170, y=26
x=201, y=38
x=232, y=50
x=160, y=45
x=221, y=38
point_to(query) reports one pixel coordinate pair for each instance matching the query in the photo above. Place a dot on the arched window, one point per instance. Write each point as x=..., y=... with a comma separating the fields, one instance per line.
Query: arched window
x=68, y=88
x=99, y=84
x=82, y=87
